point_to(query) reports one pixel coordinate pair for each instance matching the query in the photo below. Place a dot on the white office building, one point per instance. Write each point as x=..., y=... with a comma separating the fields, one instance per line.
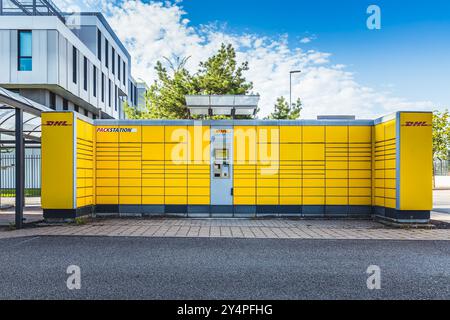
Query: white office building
x=64, y=61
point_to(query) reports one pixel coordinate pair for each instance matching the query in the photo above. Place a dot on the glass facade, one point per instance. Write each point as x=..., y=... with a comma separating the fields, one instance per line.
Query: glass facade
x=25, y=50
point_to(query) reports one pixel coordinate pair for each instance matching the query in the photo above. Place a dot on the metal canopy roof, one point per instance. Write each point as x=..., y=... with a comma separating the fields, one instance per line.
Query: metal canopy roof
x=9, y=101
x=222, y=105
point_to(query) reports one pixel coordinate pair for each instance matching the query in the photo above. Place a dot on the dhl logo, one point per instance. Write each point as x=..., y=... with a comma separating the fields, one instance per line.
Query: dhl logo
x=222, y=131
x=416, y=124
x=57, y=124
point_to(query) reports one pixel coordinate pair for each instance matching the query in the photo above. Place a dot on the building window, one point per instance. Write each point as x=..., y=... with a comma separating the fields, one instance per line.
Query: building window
x=113, y=61
x=115, y=98
x=118, y=67
x=124, y=73
x=106, y=53
x=86, y=113
x=94, y=81
x=109, y=93
x=52, y=101
x=76, y=108
x=65, y=104
x=74, y=65
x=135, y=95
x=25, y=50
x=85, y=74
x=99, y=45
x=103, y=87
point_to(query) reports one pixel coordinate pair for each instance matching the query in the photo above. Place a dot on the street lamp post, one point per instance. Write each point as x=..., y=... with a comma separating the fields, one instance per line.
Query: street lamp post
x=290, y=85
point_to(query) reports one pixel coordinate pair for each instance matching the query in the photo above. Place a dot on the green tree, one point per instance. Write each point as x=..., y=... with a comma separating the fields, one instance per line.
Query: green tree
x=441, y=135
x=282, y=110
x=220, y=74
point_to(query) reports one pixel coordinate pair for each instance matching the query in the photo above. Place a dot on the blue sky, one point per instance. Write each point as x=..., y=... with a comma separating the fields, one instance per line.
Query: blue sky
x=347, y=68
x=410, y=55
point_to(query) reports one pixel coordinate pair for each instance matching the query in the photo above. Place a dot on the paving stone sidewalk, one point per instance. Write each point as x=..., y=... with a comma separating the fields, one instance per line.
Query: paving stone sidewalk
x=234, y=228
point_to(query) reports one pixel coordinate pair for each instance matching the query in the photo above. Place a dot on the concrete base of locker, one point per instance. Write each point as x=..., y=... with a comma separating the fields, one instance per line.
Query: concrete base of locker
x=261, y=211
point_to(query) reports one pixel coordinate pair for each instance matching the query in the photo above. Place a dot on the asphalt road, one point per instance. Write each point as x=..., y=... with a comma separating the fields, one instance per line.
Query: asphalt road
x=154, y=268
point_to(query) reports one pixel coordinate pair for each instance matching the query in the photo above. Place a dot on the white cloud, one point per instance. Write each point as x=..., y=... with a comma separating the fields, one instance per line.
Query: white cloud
x=155, y=30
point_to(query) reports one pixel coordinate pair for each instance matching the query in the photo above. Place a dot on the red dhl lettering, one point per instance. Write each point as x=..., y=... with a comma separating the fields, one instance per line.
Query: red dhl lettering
x=57, y=124
x=416, y=124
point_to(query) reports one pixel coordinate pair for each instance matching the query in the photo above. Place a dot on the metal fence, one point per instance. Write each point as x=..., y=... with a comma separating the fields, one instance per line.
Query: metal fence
x=442, y=168
x=8, y=175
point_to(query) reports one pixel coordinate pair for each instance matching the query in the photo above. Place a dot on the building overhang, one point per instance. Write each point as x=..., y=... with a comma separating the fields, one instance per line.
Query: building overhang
x=222, y=105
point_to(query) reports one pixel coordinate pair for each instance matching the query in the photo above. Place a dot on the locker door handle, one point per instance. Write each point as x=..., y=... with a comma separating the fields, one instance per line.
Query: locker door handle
x=232, y=191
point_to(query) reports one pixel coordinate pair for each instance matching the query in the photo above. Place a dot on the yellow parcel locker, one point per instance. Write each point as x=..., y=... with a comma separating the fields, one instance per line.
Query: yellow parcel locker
x=244, y=147
x=291, y=134
x=153, y=134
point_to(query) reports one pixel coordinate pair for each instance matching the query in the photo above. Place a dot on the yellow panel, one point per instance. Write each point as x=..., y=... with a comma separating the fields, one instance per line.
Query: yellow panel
x=244, y=182
x=153, y=152
x=360, y=174
x=152, y=200
x=313, y=182
x=130, y=134
x=198, y=191
x=343, y=165
x=337, y=174
x=336, y=191
x=176, y=153
x=244, y=192
x=313, y=192
x=390, y=193
x=290, y=152
x=360, y=201
x=152, y=191
x=390, y=203
x=176, y=134
x=267, y=201
x=152, y=182
x=244, y=200
x=336, y=134
x=199, y=182
x=132, y=200
x=286, y=183
x=290, y=134
x=107, y=134
x=360, y=183
x=290, y=192
x=173, y=191
x=360, y=134
x=176, y=182
x=290, y=201
x=268, y=134
x=57, y=161
x=311, y=200
x=199, y=144
x=129, y=182
x=153, y=134
x=129, y=191
x=360, y=165
x=343, y=183
x=107, y=182
x=198, y=200
x=335, y=201
x=270, y=192
x=174, y=200
x=313, y=152
x=416, y=167
x=268, y=153
x=244, y=144
x=129, y=164
x=267, y=183
x=360, y=192
x=107, y=200
x=107, y=191
x=313, y=134
x=390, y=130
